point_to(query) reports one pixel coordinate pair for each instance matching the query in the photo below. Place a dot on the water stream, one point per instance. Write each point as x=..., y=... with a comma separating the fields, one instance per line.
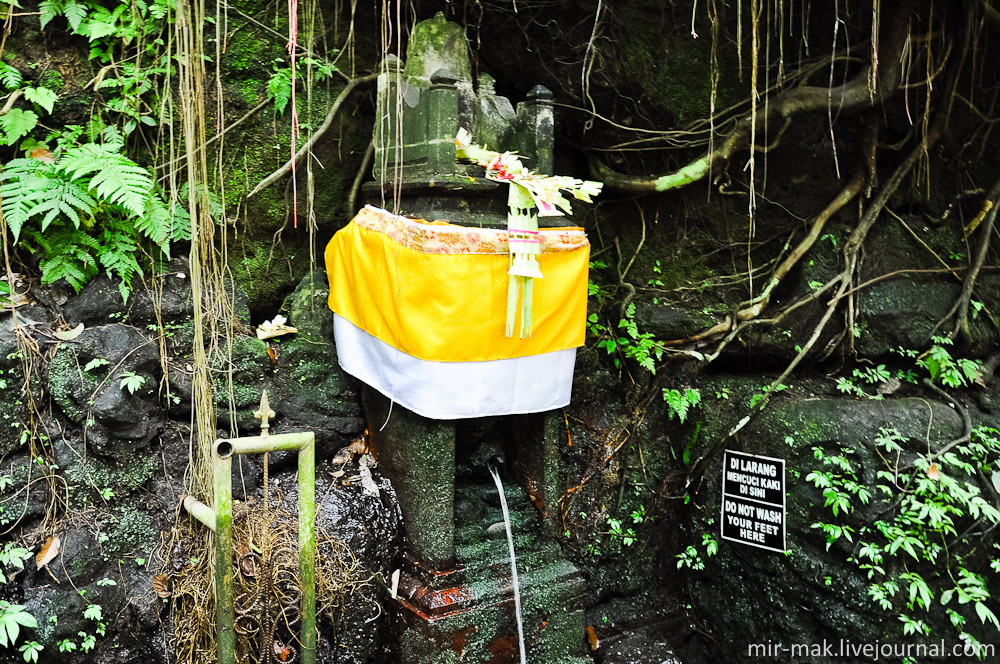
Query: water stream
x=513, y=564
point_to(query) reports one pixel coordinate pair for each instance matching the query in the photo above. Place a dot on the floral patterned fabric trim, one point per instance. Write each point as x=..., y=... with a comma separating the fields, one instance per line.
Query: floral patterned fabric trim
x=445, y=238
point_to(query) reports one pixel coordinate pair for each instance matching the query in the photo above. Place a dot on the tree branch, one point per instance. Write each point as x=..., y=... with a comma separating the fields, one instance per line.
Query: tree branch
x=308, y=145
x=851, y=96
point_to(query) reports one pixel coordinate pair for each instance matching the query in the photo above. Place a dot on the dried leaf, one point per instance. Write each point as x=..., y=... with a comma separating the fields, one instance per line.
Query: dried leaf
x=48, y=553
x=358, y=445
x=933, y=472
x=43, y=155
x=281, y=650
x=592, y=638
x=161, y=585
x=342, y=456
x=69, y=335
x=273, y=354
x=337, y=474
x=247, y=564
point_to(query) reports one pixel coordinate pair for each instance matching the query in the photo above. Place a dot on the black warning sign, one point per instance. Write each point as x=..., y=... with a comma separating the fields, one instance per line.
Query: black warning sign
x=753, y=500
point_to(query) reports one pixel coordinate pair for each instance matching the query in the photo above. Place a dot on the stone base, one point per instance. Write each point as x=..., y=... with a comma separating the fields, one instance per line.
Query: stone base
x=467, y=614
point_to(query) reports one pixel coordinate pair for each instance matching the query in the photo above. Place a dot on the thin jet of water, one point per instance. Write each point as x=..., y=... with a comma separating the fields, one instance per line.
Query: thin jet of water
x=513, y=565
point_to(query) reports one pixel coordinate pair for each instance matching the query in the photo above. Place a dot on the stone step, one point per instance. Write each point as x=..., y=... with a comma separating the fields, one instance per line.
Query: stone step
x=496, y=561
x=553, y=584
x=474, y=529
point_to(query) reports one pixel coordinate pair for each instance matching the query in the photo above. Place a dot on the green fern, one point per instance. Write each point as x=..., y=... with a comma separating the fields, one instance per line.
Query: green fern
x=10, y=76
x=17, y=123
x=279, y=86
x=70, y=254
x=163, y=224
x=679, y=402
x=116, y=178
x=118, y=256
x=24, y=187
x=68, y=198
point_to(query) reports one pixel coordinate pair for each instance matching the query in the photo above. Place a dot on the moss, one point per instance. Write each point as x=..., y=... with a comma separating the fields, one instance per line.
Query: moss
x=131, y=533
x=265, y=277
x=16, y=477
x=53, y=80
x=673, y=73
x=250, y=365
x=437, y=43
x=251, y=54
x=94, y=474
x=68, y=380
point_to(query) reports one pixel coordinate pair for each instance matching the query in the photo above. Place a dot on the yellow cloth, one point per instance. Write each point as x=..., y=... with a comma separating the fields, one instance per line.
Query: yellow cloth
x=451, y=307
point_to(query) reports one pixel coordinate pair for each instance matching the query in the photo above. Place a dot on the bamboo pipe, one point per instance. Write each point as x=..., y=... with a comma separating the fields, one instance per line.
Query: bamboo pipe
x=220, y=520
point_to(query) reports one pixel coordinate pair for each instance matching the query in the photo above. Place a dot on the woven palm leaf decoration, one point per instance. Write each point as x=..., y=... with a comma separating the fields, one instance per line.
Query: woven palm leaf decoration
x=531, y=195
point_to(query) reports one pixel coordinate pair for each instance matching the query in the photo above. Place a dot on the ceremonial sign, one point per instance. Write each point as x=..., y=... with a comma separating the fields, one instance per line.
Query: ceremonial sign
x=753, y=500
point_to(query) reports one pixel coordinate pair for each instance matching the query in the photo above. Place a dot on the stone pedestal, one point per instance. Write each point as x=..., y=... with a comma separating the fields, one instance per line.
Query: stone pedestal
x=455, y=592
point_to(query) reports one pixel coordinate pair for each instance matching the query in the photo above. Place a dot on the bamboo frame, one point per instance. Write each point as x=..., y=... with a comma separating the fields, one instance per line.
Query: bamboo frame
x=220, y=521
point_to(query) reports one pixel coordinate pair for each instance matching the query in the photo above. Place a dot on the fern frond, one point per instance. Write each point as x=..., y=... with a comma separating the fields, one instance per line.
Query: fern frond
x=75, y=12
x=66, y=197
x=116, y=178
x=124, y=183
x=10, y=76
x=70, y=254
x=118, y=258
x=155, y=224
x=24, y=185
x=85, y=159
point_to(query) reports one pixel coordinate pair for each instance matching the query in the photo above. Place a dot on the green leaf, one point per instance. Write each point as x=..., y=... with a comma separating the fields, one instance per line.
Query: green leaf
x=42, y=96
x=985, y=614
x=279, y=86
x=75, y=12
x=90, y=366
x=10, y=76
x=17, y=123
x=131, y=382
x=24, y=185
x=116, y=178
x=49, y=10
x=64, y=197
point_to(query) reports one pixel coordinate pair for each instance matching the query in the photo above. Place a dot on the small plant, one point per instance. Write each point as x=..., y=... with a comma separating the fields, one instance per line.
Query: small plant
x=596, y=290
x=680, y=402
x=639, y=346
x=626, y=535
x=12, y=556
x=691, y=557
x=94, y=364
x=914, y=558
x=656, y=281
x=946, y=369
x=29, y=651
x=93, y=612
x=131, y=381
x=869, y=375
x=12, y=618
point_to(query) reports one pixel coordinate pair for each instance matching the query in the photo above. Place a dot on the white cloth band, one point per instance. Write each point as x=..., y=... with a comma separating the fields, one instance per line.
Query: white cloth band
x=455, y=390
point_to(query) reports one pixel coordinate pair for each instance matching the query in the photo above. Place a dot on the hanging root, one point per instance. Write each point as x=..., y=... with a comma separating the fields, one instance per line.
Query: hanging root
x=960, y=311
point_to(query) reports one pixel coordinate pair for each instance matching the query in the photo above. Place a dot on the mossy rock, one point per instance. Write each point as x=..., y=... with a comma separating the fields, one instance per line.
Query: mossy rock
x=14, y=415
x=92, y=476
